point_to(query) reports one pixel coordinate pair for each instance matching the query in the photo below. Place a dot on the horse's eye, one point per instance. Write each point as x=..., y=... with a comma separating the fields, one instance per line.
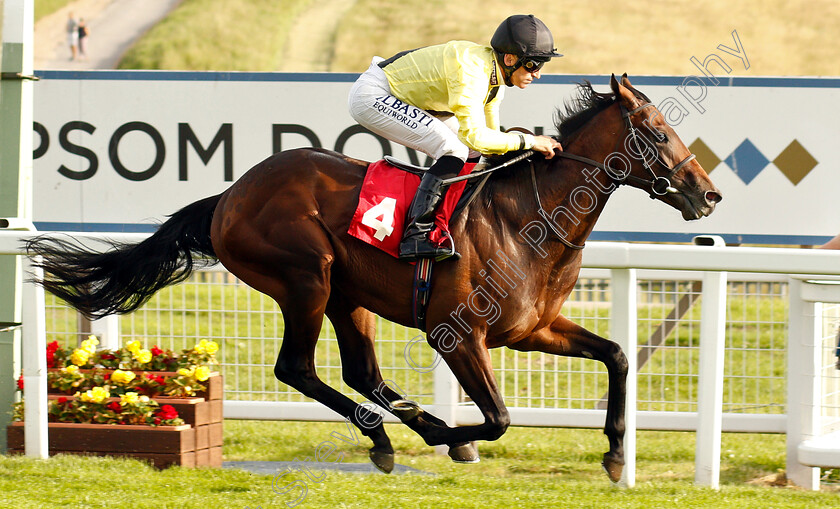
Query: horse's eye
x=661, y=137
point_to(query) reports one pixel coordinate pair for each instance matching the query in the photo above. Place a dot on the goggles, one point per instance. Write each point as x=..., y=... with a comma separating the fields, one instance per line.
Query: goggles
x=531, y=64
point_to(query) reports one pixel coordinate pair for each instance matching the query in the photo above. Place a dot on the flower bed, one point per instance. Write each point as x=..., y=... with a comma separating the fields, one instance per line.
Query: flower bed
x=153, y=372
x=96, y=392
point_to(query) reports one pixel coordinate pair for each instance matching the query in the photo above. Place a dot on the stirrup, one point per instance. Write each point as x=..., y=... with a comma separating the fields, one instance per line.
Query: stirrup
x=454, y=254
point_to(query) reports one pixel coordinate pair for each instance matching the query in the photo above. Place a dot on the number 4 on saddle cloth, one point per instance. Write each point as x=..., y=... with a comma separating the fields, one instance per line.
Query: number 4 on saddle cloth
x=386, y=194
x=379, y=219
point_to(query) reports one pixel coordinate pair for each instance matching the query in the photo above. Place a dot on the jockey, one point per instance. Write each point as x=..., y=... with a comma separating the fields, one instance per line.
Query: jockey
x=444, y=101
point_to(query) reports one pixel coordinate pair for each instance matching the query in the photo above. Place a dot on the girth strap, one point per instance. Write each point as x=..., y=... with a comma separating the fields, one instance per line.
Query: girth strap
x=422, y=291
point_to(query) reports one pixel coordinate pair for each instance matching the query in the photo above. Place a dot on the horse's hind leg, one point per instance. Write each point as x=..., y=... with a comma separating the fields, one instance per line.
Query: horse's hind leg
x=564, y=337
x=300, y=284
x=355, y=329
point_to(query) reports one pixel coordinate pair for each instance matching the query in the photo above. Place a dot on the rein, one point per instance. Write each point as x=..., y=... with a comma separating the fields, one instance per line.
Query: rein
x=659, y=185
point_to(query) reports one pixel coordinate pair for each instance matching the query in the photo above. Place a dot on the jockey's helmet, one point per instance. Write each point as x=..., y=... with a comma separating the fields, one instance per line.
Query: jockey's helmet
x=526, y=37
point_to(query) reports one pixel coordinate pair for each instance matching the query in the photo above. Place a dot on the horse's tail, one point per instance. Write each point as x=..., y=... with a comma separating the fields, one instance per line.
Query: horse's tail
x=123, y=279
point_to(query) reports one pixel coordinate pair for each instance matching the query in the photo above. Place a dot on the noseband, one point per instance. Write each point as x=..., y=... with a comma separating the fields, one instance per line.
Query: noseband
x=659, y=185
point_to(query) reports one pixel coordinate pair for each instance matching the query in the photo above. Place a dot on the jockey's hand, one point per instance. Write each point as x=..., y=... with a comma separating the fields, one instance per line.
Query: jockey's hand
x=546, y=146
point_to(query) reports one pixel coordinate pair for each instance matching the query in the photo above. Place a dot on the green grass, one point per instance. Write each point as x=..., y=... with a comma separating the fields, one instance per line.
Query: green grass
x=47, y=7
x=780, y=37
x=202, y=35
x=611, y=36
x=528, y=467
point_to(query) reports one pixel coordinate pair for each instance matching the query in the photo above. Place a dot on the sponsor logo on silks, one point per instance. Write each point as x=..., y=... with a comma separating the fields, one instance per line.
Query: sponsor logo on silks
x=407, y=114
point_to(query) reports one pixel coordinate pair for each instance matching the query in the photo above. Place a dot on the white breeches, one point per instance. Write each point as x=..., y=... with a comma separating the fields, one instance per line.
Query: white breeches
x=372, y=106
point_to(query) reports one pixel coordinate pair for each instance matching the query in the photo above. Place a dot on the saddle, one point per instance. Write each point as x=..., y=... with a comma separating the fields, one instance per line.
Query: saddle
x=379, y=219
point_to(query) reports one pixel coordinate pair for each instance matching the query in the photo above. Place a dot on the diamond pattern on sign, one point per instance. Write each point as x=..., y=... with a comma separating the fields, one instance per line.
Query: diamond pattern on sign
x=795, y=162
x=746, y=161
x=707, y=159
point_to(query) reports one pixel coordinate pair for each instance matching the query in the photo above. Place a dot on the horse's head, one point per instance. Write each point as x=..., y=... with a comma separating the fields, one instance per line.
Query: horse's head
x=660, y=163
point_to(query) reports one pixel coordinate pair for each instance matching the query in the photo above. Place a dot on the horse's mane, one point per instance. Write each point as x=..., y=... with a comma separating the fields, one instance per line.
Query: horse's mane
x=575, y=113
x=579, y=109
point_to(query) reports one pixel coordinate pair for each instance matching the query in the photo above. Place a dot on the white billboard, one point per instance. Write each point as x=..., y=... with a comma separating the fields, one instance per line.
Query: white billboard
x=118, y=150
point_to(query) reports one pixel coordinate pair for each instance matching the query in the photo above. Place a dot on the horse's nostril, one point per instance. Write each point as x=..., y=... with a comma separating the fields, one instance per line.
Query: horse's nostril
x=713, y=197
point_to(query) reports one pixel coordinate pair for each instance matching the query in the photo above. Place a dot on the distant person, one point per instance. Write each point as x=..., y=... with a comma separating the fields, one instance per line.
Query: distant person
x=419, y=97
x=72, y=35
x=83, y=33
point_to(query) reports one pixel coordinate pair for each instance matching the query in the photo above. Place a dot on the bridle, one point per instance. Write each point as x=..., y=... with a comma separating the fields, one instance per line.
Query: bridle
x=659, y=185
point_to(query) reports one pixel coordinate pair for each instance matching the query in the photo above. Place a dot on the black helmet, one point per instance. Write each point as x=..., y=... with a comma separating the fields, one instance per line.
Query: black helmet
x=524, y=36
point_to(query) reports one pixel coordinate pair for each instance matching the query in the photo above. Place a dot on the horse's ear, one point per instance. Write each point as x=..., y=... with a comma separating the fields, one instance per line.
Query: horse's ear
x=625, y=81
x=614, y=85
x=621, y=91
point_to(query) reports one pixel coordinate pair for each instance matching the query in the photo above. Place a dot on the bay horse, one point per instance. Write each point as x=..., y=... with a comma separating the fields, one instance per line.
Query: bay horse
x=282, y=229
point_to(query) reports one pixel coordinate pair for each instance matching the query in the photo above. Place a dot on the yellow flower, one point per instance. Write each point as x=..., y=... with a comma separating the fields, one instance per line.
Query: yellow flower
x=143, y=356
x=79, y=357
x=71, y=369
x=122, y=377
x=133, y=346
x=129, y=398
x=186, y=372
x=199, y=348
x=89, y=345
x=211, y=347
x=202, y=373
x=95, y=395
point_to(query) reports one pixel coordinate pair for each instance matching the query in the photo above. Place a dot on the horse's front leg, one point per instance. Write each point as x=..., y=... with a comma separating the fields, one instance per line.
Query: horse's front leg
x=564, y=337
x=470, y=362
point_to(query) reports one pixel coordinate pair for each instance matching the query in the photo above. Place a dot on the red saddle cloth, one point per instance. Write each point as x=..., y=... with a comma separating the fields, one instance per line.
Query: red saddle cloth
x=385, y=197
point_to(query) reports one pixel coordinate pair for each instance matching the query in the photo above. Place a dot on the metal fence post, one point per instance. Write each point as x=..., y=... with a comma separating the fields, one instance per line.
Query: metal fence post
x=802, y=383
x=710, y=381
x=107, y=329
x=623, y=330
x=446, y=398
x=34, y=366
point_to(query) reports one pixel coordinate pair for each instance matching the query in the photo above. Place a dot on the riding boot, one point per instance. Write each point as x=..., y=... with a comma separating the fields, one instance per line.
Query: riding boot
x=415, y=243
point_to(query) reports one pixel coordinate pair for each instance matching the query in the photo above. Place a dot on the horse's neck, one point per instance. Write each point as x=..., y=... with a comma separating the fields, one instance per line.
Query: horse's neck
x=572, y=194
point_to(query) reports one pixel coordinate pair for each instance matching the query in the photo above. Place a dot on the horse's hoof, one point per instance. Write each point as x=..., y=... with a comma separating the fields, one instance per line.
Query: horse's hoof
x=384, y=461
x=464, y=453
x=405, y=410
x=613, y=467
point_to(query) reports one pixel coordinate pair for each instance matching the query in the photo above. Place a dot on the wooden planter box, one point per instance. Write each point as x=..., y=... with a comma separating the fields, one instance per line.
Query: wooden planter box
x=196, y=443
x=163, y=446
x=195, y=411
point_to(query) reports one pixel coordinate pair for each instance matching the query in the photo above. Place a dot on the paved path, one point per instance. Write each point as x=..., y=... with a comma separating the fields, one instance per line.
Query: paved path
x=114, y=26
x=274, y=467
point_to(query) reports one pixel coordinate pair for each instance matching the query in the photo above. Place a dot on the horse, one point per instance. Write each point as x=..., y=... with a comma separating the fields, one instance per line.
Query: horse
x=282, y=229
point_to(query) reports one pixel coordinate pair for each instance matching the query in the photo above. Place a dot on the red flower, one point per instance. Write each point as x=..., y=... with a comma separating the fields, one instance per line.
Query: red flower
x=20, y=382
x=114, y=406
x=157, y=421
x=51, y=348
x=167, y=412
x=156, y=351
x=107, y=376
x=62, y=400
x=150, y=376
x=108, y=357
x=160, y=380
